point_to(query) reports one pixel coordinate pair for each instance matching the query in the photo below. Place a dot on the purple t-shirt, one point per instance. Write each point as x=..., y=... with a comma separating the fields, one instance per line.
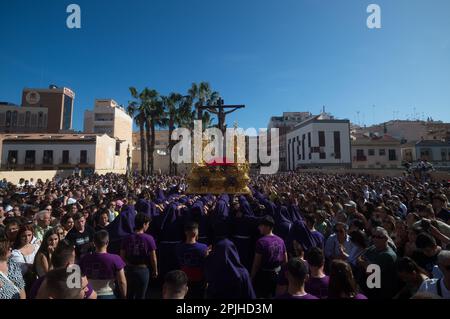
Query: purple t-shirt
x=138, y=248
x=289, y=296
x=101, y=266
x=191, y=258
x=318, y=286
x=273, y=251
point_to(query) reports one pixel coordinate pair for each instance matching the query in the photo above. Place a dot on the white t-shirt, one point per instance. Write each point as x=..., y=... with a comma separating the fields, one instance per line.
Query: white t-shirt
x=24, y=261
x=430, y=286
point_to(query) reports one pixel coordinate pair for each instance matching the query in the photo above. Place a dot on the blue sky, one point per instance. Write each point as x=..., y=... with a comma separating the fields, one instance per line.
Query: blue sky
x=273, y=56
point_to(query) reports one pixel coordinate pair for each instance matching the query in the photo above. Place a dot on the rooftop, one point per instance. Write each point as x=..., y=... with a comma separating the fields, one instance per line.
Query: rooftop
x=433, y=143
x=41, y=137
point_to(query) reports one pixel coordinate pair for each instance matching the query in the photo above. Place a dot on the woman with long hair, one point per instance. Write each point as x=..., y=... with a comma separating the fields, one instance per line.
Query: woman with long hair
x=342, y=283
x=42, y=262
x=24, y=251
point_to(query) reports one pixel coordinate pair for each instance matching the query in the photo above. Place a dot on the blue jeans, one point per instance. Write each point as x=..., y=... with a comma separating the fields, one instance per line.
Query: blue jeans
x=137, y=281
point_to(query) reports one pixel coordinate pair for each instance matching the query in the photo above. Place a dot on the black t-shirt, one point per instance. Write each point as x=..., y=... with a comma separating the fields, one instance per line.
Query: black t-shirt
x=444, y=215
x=82, y=241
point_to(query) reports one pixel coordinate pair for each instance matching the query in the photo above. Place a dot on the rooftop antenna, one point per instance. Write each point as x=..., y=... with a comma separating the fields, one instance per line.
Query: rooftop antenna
x=359, y=123
x=373, y=114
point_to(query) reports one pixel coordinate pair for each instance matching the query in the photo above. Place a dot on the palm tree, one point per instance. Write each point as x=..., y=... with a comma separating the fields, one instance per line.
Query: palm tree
x=204, y=95
x=178, y=111
x=154, y=114
x=136, y=109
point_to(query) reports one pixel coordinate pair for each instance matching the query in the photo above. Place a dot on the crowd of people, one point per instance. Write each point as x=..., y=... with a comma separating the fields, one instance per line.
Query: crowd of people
x=296, y=236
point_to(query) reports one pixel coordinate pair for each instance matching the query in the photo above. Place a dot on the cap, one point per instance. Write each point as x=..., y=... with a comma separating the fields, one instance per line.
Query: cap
x=350, y=204
x=71, y=201
x=119, y=203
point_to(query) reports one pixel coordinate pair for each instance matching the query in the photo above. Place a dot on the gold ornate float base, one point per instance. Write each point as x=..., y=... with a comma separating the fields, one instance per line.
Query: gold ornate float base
x=219, y=179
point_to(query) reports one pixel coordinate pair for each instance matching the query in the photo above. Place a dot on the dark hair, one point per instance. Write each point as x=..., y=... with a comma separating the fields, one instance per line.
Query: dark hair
x=4, y=248
x=359, y=237
x=101, y=238
x=341, y=280
x=358, y=223
x=340, y=224
x=425, y=240
x=298, y=269
x=99, y=213
x=140, y=220
x=190, y=227
x=310, y=219
x=315, y=257
x=57, y=286
x=62, y=254
x=11, y=221
x=77, y=216
x=22, y=229
x=44, y=245
x=65, y=218
x=267, y=221
x=406, y=264
x=175, y=281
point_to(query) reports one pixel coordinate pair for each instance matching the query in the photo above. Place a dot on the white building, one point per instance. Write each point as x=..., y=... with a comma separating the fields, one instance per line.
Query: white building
x=32, y=152
x=319, y=141
x=285, y=124
x=108, y=117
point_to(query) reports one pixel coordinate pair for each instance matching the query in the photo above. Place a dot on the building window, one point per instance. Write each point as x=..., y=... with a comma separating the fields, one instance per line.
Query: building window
x=289, y=154
x=8, y=119
x=28, y=119
x=83, y=157
x=321, y=138
x=21, y=121
x=444, y=154
x=117, y=148
x=40, y=119
x=382, y=152
x=322, y=156
x=30, y=157
x=309, y=145
x=34, y=120
x=14, y=119
x=360, y=157
x=425, y=154
x=337, y=144
x=371, y=152
x=65, y=157
x=12, y=157
x=48, y=157
x=303, y=146
x=392, y=155
x=67, y=113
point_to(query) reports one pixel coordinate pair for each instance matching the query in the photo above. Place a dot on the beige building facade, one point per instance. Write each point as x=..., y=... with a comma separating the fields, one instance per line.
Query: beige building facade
x=89, y=152
x=108, y=117
x=376, y=152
